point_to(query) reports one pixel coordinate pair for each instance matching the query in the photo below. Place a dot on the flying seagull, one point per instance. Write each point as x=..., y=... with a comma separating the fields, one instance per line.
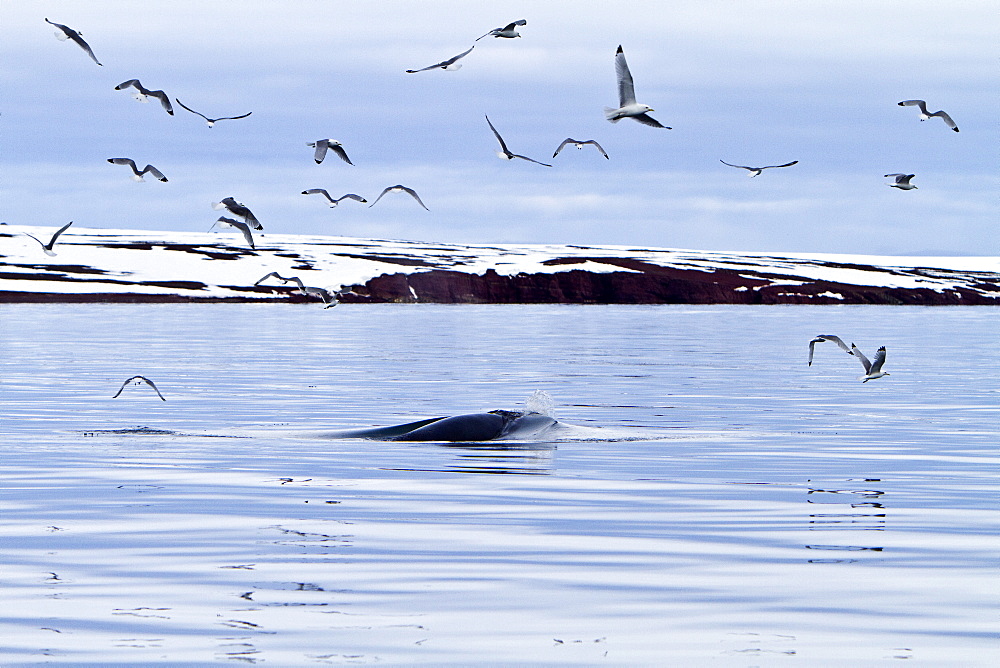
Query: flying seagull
x=328, y=299
x=334, y=202
x=509, y=31
x=52, y=242
x=924, y=114
x=399, y=189
x=237, y=209
x=212, y=121
x=902, y=181
x=138, y=378
x=65, y=32
x=627, y=106
x=755, y=171
x=321, y=147
x=873, y=369
x=450, y=64
x=143, y=94
x=505, y=154
x=242, y=227
x=579, y=145
x=136, y=174
x=827, y=337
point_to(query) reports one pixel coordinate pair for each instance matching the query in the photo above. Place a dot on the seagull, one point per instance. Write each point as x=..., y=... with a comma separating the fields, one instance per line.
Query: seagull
x=142, y=94
x=242, y=227
x=755, y=171
x=328, y=299
x=505, y=154
x=65, y=32
x=334, y=202
x=52, y=242
x=924, y=114
x=873, y=370
x=628, y=108
x=321, y=147
x=450, y=65
x=399, y=189
x=509, y=31
x=136, y=174
x=137, y=378
x=902, y=181
x=237, y=209
x=827, y=337
x=212, y=121
x=579, y=145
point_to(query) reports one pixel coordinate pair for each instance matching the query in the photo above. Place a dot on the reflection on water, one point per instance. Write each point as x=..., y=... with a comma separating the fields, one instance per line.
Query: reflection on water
x=703, y=504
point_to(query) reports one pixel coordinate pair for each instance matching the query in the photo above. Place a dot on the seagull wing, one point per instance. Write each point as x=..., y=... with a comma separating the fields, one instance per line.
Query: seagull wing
x=598, y=147
x=124, y=384
x=379, y=197
x=164, y=100
x=192, y=110
x=864, y=360
x=878, y=361
x=131, y=83
x=837, y=340
x=152, y=385
x=125, y=161
x=524, y=157
x=563, y=145
x=752, y=169
x=646, y=119
x=273, y=273
x=918, y=103
x=626, y=89
x=415, y=196
x=318, y=191
x=320, y=153
x=445, y=63
x=339, y=150
x=52, y=241
x=245, y=229
x=503, y=146
x=231, y=118
x=157, y=174
x=947, y=119
x=787, y=164
x=356, y=198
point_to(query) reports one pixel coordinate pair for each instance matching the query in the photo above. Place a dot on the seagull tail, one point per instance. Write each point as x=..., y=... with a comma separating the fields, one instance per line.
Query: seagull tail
x=611, y=114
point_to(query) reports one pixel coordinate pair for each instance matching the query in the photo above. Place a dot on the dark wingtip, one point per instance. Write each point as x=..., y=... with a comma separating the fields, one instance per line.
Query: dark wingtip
x=901, y=104
x=619, y=50
x=955, y=129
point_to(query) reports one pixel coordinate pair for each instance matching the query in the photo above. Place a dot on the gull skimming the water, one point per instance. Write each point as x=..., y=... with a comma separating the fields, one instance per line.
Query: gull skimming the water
x=143, y=94
x=334, y=202
x=509, y=31
x=52, y=242
x=873, y=369
x=136, y=174
x=138, y=378
x=827, y=337
x=505, y=154
x=755, y=171
x=211, y=121
x=579, y=145
x=399, y=189
x=329, y=299
x=65, y=32
x=321, y=147
x=450, y=64
x=237, y=209
x=242, y=227
x=902, y=181
x=925, y=115
x=627, y=106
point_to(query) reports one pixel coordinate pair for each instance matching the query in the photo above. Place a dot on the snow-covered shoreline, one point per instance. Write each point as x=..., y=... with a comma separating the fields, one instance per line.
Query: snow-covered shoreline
x=134, y=265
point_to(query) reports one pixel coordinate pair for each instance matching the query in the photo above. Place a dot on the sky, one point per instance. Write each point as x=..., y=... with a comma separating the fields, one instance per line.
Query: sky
x=748, y=82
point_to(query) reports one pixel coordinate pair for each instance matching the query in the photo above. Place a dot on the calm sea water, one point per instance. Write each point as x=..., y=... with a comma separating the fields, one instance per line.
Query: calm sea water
x=718, y=502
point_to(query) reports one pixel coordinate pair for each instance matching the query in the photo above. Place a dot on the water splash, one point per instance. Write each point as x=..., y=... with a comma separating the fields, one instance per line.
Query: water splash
x=540, y=402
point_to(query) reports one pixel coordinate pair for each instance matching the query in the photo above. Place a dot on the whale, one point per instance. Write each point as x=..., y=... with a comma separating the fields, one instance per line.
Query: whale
x=473, y=427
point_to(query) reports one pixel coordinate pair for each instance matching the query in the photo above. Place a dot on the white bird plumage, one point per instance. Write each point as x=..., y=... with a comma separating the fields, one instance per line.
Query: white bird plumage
x=926, y=115
x=241, y=226
x=399, y=189
x=238, y=209
x=65, y=32
x=334, y=202
x=143, y=94
x=323, y=145
x=627, y=106
x=505, y=154
x=136, y=173
x=145, y=380
x=211, y=121
x=328, y=298
x=52, y=242
x=873, y=369
x=508, y=31
x=755, y=171
x=820, y=338
x=450, y=65
x=902, y=181
x=579, y=144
